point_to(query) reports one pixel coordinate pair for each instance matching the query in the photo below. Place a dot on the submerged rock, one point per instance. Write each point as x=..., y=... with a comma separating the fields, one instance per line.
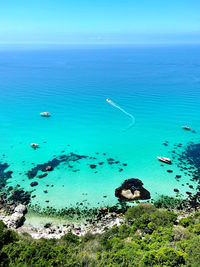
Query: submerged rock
x=132, y=189
x=33, y=184
x=55, y=162
x=176, y=190
x=93, y=166
x=20, y=196
x=48, y=168
x=42, y=175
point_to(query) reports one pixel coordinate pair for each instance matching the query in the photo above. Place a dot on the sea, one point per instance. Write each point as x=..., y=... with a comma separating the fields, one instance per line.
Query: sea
x=88, y=141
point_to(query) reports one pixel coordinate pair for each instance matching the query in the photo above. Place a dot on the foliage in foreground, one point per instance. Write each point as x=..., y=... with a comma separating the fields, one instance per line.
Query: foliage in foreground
x=149, y=237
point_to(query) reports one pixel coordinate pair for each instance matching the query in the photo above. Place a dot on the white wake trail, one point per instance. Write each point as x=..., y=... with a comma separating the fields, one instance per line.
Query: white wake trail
x=124, y=111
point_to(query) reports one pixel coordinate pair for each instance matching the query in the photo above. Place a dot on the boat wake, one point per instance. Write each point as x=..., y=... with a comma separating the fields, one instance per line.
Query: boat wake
x=125, y=112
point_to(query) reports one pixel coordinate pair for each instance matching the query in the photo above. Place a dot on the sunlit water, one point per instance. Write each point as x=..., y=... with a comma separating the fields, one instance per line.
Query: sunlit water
x=159, y=86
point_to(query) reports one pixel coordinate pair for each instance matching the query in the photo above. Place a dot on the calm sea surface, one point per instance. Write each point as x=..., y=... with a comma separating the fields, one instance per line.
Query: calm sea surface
x=159, y=86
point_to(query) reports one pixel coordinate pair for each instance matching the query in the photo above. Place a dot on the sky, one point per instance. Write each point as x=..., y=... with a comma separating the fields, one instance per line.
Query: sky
x=99, y=21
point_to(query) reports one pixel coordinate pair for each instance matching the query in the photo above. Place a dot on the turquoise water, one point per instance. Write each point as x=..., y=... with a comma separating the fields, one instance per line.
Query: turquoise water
x=160, y=86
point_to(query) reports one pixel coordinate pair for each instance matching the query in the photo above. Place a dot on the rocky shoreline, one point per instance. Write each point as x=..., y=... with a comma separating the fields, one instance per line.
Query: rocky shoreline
x=50, y=230
x=14, y=217
x=81, y=221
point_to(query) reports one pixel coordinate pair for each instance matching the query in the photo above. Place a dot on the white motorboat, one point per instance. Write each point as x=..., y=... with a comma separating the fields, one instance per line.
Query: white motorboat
x=165, y=160
x=186, y=127
x=45, y=114
x=34, y=145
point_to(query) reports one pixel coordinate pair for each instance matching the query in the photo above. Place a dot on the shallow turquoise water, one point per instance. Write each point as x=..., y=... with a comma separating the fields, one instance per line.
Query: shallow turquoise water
x=160, y=86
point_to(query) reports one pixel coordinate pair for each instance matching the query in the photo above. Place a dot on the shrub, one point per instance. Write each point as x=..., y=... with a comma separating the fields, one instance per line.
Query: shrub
x=151, y=226
x=70, y=239
x=124, y=257
x=88, y=236
x=165, y=256
x=168, y=202
x=163, y=218
x=192, y=249
x=180, y=233
x=2, y=226
x=185, y=222
x=39, y=254
x=7, y=236
x=142, y=222
x=196, y=229
x=136, y=212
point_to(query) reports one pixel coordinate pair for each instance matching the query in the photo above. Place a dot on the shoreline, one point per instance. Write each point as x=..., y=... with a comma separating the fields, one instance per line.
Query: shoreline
x=20, y=219
x=25, y=221
x=55, y=228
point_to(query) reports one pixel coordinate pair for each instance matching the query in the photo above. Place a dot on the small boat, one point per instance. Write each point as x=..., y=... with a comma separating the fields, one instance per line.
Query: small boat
x=165, y=160
x=34, y=145
x=186, y=127
x=45, y=114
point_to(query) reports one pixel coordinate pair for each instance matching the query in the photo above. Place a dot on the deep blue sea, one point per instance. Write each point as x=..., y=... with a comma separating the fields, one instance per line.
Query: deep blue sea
x=158, y=85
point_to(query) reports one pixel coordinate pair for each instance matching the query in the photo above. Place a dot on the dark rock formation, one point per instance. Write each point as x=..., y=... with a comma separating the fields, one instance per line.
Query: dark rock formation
x=33, y=184
x=4, y=176
x=93, y=166
x=42, y=175
x=55, y=162
x=20, y=196
x=132, y=189
x=48, y=168
x=176, y=190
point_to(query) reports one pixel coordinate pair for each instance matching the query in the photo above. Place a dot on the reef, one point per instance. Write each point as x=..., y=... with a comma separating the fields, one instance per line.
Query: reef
x=68, y=159
x=132, y=189
x=4, y=175
x=20, y=196
x=34, y=184
x=187, y=159
x=55, y=162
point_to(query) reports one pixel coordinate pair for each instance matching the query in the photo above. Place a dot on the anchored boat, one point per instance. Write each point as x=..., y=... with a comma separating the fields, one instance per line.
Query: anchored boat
x=186, y=127
x=165, y=160
x=45, y=114
x=34, y=145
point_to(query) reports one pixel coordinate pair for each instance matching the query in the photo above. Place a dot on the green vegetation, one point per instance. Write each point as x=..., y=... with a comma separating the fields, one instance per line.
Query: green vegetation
x=149, y=237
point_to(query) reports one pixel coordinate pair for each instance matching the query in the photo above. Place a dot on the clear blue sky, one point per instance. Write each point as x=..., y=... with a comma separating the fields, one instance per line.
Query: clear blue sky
x=99, y=21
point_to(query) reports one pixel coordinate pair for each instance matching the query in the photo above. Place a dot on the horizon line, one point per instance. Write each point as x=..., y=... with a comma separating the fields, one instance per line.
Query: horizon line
x=24, y=44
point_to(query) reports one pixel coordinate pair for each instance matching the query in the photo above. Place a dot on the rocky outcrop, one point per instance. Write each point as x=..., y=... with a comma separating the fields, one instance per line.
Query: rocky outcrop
x=34, y=184
x=48, y=169
x=16, y=218
x=42, y=175
x=132, y=189
x=21, y=209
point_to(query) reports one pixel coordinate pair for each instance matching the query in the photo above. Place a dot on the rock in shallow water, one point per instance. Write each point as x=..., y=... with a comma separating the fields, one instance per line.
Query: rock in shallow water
x=93, y=166
x=132, y=189
x=42, y=175
x=33, y=184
